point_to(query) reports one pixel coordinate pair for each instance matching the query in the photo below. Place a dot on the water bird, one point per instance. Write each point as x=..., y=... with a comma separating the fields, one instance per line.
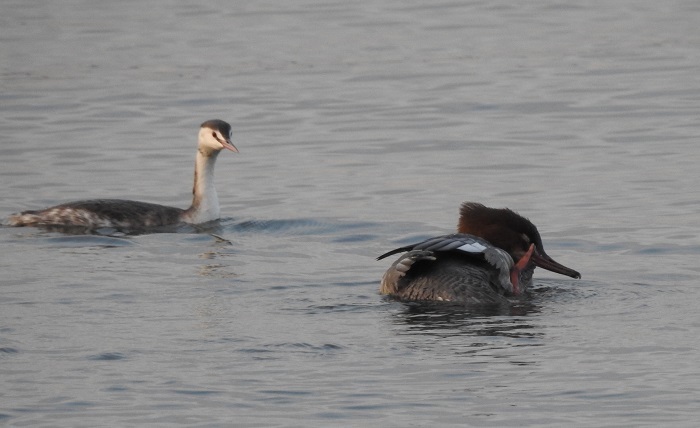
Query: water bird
x=214, y=136
x=492, y=257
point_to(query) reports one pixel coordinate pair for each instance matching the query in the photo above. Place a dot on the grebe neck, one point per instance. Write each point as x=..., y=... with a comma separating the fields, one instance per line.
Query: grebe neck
x=205, y=201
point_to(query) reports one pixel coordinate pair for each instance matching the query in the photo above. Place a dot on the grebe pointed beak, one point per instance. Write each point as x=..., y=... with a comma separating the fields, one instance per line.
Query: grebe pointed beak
x=227, y=144
x=546, y=262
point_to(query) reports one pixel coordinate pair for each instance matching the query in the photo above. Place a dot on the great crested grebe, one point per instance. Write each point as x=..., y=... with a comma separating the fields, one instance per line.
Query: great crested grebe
x=214, y=136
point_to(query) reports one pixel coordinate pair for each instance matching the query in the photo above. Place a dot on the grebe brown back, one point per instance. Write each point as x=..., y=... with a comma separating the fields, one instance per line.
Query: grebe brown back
x=214, y=136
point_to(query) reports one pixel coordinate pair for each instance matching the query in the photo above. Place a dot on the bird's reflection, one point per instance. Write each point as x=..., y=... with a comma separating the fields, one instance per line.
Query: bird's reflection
x=504, y=319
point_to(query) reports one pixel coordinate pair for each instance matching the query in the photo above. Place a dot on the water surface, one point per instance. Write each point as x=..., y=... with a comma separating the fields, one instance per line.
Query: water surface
x=362, y=126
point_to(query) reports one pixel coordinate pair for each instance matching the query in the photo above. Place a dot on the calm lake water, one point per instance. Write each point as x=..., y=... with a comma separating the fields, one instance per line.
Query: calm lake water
x=362, y=126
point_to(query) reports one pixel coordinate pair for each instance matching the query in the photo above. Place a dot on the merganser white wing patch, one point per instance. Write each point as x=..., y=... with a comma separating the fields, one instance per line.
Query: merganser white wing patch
x=472, y=247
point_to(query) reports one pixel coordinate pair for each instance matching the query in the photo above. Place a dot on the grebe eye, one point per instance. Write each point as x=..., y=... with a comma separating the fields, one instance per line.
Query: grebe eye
x=213, y=134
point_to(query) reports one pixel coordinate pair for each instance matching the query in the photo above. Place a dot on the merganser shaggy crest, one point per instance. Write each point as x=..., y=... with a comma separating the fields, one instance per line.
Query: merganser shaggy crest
x=214, y=136
x=491, y=258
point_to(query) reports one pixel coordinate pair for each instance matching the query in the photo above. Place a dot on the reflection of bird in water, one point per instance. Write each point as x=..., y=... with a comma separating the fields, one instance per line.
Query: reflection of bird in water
x=492, y=257
x=214, y=136
x=494, y=319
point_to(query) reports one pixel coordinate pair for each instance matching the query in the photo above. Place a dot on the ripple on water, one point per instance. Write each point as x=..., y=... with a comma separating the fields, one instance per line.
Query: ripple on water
x=302, y=226
x=341, y=307
x=197, y=392
x=81, y=241
x=272, y=351
x=107, y=356
x=8, y=350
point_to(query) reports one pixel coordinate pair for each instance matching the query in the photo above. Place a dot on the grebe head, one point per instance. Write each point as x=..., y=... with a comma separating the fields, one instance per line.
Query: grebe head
x=215, y=135
x=510, y=231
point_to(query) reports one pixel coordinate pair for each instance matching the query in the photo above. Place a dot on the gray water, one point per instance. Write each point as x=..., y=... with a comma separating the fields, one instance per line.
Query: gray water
x=362, y=126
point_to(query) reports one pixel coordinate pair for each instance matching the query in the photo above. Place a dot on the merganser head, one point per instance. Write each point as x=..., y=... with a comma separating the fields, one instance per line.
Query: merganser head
x=510, y=231
x=215, y=135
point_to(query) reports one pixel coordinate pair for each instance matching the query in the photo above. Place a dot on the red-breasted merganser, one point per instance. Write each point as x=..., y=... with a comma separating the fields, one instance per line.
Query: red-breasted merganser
x=493, y=256
x=214, y=136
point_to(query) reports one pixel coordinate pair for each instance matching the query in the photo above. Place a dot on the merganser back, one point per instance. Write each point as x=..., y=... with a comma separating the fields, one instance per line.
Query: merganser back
x=476, y=265
x=214, y=136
